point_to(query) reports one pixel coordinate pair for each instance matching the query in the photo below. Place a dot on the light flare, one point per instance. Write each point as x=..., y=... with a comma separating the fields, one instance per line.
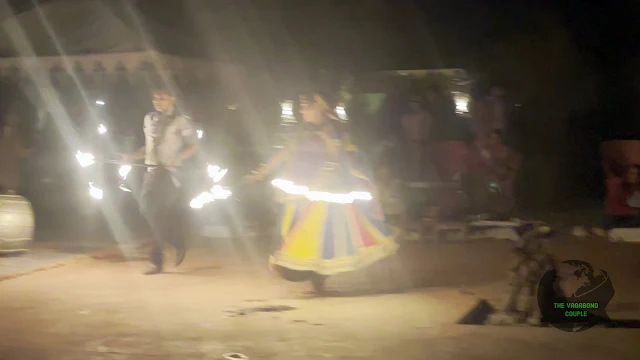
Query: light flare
x=124, y=171
x=462, y=102
x=85, y=159
x=342, y=113
x=199, y=201
x=287, y=110
x=346, y=198
x=216, y=173
x=217, y=192
x=462, y=106
x=95, y=192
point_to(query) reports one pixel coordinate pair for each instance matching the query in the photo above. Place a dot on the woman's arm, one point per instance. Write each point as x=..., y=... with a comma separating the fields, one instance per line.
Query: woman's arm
x=273, y=163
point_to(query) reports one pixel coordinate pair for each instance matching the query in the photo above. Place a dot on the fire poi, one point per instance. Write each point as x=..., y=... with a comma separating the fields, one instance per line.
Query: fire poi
x=86, y=160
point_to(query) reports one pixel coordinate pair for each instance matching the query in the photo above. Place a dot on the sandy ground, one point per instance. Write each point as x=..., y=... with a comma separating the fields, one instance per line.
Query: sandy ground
x=222, y=300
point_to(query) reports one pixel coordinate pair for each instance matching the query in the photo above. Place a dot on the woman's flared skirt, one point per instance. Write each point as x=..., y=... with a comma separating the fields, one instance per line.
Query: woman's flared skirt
x=331, y=238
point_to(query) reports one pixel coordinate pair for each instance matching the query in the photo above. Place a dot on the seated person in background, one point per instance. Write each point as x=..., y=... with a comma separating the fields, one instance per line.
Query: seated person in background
x=504, y=163
x=390, y=189
x=623, y=200
x=404, y=161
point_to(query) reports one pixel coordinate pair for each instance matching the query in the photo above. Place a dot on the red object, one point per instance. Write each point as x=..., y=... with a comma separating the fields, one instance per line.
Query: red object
x=450, y=158
x=617, y=154
x=617, y=196
x=481, y=120
x=455, y=157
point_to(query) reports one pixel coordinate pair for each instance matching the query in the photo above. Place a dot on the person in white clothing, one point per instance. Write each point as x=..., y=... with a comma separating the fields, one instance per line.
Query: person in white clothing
x=169, y=140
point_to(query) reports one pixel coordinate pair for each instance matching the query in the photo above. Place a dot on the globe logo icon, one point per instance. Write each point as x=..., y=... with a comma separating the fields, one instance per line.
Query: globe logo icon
x=573, y=296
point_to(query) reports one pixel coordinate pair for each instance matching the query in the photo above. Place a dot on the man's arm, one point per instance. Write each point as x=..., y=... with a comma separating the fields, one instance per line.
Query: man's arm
x=138, y=155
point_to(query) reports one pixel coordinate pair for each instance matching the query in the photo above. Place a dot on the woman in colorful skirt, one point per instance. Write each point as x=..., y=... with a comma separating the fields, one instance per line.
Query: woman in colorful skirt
x=330, y=220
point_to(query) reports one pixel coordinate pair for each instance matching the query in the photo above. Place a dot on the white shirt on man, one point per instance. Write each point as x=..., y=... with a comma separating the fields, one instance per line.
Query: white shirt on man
x=165, y=137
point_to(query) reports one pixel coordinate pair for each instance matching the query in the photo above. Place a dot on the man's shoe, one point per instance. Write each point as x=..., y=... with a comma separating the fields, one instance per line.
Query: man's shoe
x=180, y=254
x=154, y=270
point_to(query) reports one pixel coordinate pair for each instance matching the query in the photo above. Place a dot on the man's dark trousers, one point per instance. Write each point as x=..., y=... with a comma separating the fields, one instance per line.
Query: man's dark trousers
x=162, y=206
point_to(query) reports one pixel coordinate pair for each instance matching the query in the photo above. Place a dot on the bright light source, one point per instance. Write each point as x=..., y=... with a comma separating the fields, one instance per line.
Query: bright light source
x=85, y=159
x=289, y=187
x=361, y=195
x=338, y=198
x=462, y=106
x=124, y=171
x=287, y=109
x=216, y=173
x=342, y=113
x=102, y=129
x=199, y=134
x=95, y=192
x=292, y=189
x=219, y=193
x=100, y=102
x=199, y=201
x=196, y=204
x=124, y=188
x=462, y=102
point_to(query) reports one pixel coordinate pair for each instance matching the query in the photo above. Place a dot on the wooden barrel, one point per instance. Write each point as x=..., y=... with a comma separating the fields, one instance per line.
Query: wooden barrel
x=16, y=223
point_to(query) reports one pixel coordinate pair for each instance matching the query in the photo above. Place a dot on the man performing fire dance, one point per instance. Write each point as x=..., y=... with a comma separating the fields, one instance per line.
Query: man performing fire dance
x=330, y=223
x=169, y=140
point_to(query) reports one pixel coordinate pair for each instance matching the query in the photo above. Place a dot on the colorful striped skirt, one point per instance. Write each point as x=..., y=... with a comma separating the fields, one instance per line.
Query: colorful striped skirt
x=331, y=238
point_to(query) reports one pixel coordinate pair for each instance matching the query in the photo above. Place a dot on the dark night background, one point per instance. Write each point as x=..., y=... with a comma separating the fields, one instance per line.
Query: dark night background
x=572, y=65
